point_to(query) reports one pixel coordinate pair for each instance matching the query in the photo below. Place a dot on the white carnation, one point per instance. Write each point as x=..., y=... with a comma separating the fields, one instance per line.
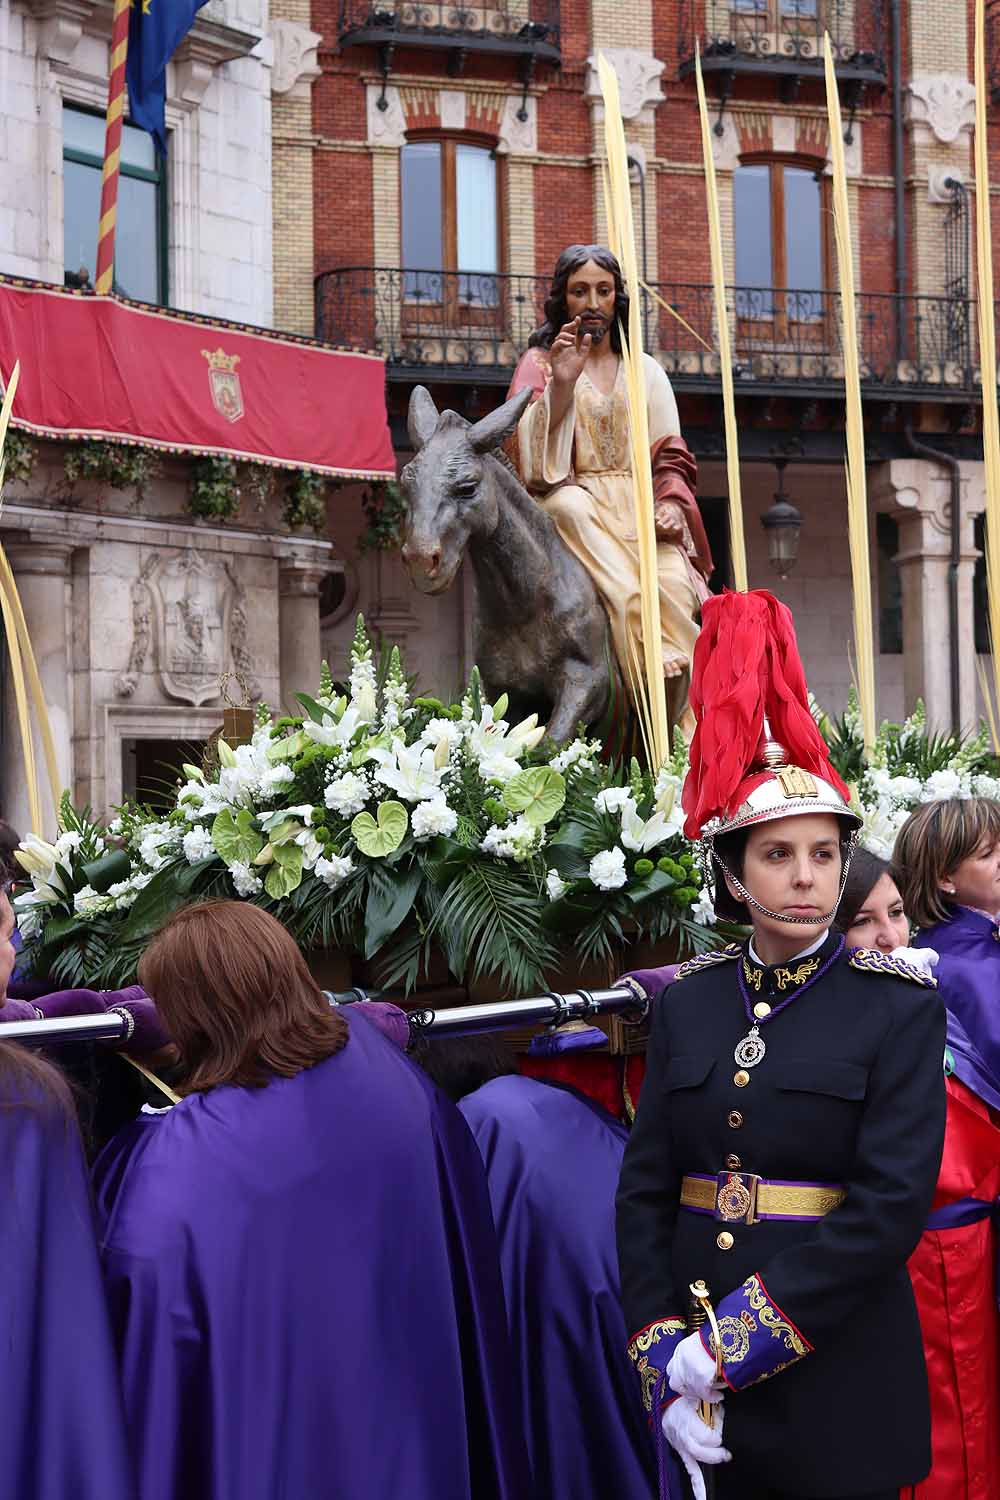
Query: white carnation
x=274, y=778
x=197, y=845
x=347, y=794
x=554, y=884
x=516, y=841
x=607, y=870
x=245, y=882
x=942, y=785
x=335, y=870
x=157, y=842
x=67, y=843
x=430, y=819
x=612, y=799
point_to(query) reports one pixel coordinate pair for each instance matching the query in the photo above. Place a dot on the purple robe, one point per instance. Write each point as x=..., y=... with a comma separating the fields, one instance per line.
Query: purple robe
x=552, y=1163
x=306, y=1292
x=968, y=977
x=63, y=1430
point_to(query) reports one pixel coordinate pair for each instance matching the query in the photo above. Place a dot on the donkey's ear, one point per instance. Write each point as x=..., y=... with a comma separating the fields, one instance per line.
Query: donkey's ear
x=422, y=417
x=491, y=430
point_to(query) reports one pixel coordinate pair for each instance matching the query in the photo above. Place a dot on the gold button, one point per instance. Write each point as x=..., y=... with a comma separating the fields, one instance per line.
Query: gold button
x=733, y=1163
x=741, y=1079
x=725, y=1240
x=761, y=1009
x=735, y=1120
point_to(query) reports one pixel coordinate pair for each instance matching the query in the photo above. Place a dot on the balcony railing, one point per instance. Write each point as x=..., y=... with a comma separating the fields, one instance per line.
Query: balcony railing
x=465, y=327
x=528, y=29
x=784, y=37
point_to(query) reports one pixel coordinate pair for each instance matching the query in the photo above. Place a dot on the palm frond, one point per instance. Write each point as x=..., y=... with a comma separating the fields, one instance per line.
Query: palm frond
x=488, y=922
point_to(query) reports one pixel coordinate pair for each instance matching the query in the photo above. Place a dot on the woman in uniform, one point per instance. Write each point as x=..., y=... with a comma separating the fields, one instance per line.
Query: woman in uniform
x=788, y=1137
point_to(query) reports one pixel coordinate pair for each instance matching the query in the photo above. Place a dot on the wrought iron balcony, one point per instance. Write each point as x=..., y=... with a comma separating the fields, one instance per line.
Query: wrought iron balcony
x=784, y=38
x=524, y=29
x=464, y=327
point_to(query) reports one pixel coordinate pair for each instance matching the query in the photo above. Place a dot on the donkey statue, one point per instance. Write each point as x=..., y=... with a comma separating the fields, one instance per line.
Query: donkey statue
x=541, y=631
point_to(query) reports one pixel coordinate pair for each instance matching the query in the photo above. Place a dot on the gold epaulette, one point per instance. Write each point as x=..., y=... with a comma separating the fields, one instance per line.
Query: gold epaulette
x=873, y=961
x=707, y=960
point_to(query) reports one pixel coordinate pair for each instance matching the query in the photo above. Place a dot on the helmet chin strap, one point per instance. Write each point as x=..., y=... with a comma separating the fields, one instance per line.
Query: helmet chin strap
x=779, y=916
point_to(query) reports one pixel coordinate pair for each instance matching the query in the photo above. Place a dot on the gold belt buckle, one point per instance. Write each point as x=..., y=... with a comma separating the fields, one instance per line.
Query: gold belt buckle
x=736, y=1197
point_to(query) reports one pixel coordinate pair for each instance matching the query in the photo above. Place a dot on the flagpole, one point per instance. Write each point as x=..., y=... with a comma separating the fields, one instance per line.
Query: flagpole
x=112, y=149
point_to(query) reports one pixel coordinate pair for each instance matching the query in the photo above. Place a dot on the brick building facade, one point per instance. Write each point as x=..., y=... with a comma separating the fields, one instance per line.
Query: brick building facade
x=422, y=112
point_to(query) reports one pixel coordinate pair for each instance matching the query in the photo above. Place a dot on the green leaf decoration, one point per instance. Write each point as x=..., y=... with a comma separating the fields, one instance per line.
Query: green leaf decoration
x=381, y=837
x=391, y=894
x=285, y=874
x=538, y=793
x=108, y=870
x=315, y=710
x=170, y=888
x=234, y=838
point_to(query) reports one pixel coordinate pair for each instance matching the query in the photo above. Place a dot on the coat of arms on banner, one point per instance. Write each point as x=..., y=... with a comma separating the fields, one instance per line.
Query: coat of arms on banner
x=227, y=394
x=192, y=609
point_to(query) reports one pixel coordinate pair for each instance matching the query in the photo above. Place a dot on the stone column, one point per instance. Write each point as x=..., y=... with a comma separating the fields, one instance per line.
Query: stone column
x=917, y=494
x=299, y=578
x=41, y=571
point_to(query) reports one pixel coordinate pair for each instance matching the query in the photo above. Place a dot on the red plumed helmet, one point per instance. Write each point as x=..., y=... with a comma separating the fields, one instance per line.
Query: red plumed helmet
x=754, y=724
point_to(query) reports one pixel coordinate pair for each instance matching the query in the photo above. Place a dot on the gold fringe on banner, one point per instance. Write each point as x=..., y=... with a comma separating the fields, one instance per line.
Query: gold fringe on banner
x=987, y=347
x=857, y=489
x=653, y=702
x=22, y=659
x=737, y=542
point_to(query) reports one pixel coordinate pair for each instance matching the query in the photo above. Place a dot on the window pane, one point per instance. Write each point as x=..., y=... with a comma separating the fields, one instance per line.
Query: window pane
x=137, y=148
x=476, y=198
x=420, y=168
x=803, y=242
x=81, y=207
x=83, y=131
x=752, y=229
x=136, y=241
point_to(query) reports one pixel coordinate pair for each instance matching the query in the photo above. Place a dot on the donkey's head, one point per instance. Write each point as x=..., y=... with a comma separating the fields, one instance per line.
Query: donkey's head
x=449, y=486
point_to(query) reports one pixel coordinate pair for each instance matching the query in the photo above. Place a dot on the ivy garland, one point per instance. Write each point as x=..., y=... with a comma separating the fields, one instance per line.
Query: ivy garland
x=305, y=501
x=20, y=456
x=119, y=465
x=215, y=492
x=385, y=511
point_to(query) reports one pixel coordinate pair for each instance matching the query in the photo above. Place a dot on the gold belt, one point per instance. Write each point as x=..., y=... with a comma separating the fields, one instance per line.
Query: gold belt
x=743, y=1197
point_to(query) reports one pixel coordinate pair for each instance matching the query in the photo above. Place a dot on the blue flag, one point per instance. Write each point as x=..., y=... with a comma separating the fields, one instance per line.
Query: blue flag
x=156, y=29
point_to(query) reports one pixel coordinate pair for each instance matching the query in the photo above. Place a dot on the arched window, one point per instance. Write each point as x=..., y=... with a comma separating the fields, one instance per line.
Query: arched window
x=782, y=253
x=450, y=222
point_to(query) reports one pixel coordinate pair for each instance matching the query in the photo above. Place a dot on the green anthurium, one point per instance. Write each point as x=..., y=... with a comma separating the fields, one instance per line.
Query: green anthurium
x=538, y=793
x=379, y=837
x=286, y=748
x=234, y=837
x=285, y=874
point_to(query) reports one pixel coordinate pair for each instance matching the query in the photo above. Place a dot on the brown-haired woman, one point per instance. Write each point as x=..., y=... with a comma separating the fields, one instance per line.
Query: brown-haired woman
x=63, y=1430
x=952, y=1268
x=947, y=857
x=300, y=1254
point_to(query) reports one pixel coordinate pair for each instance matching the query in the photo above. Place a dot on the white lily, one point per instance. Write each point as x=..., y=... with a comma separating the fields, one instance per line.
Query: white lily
x=340, y=731
x=39, y=859
x=410, y=772
x=643, y=834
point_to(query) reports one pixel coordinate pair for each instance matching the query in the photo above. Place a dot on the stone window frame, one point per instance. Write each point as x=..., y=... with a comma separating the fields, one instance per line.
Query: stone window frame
x=776, y=162
x=139, y=721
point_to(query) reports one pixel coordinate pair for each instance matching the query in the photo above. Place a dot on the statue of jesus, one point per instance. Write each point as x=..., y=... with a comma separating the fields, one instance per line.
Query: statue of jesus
x=573, y=455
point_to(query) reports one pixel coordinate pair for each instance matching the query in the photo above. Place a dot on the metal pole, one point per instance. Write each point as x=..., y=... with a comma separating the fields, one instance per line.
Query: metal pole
x=456, y=1020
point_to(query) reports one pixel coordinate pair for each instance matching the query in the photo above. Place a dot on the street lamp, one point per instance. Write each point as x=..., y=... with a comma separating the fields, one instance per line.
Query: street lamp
x=782, y=522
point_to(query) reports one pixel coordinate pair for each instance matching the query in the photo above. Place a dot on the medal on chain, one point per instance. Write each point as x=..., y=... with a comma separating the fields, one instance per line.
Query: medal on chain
x=750, y=1051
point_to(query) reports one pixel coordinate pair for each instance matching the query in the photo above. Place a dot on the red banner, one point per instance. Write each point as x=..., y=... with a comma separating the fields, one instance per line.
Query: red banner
x=100, y=367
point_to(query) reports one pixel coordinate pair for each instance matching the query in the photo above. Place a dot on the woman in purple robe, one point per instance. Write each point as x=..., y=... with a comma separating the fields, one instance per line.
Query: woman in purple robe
x=947, y=859
x=299, y=1254
x=63, y=1429
x=552, y=1160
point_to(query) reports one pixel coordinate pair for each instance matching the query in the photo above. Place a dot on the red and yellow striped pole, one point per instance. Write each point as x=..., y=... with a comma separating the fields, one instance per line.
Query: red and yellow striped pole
x=112, y=148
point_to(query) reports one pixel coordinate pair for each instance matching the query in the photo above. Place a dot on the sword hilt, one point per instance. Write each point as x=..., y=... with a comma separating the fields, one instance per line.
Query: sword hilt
x=702, y=1312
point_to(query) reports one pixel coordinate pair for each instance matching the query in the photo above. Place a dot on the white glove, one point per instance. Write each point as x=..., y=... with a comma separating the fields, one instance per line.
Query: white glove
x=924, y=959
x=691, y=1371
x=694, y=1442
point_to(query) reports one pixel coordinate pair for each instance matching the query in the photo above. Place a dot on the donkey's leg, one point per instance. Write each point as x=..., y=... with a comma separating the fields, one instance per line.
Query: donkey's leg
x=581, y=697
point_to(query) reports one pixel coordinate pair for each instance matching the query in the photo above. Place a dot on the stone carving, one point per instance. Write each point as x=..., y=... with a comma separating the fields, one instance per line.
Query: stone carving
x=944, y=102
x=451, y=108
x=638, y=75
x=294, y=55
x=386, y=127
x=197, y=607
x=516, y=135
